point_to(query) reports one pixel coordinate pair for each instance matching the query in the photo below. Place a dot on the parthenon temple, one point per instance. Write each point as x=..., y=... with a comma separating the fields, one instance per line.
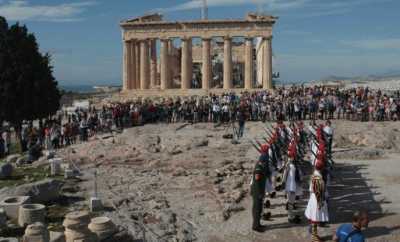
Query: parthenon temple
x=212, y=54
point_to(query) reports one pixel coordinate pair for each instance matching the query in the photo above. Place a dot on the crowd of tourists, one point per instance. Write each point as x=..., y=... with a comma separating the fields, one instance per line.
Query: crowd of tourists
x=290, y=104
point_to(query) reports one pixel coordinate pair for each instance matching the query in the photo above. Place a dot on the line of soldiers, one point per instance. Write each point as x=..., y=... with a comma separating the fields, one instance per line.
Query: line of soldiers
x=280, y=167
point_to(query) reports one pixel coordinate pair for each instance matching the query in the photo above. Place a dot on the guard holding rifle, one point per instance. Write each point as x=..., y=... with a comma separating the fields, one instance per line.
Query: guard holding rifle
x=260, y=175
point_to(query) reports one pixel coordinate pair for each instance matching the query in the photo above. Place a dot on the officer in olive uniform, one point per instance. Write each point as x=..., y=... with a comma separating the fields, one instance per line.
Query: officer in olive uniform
x=260, y=175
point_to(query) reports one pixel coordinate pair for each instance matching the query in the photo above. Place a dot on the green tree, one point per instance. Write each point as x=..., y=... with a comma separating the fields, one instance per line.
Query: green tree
x=28, y=90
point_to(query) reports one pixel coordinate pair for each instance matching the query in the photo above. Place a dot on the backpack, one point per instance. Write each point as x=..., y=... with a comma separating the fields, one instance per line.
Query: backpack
x=355, y=231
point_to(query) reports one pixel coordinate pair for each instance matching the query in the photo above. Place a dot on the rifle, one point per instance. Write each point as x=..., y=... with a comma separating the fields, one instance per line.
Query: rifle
x=270, y=129
x=255, y=146
x=259, y=144
x=267, y=131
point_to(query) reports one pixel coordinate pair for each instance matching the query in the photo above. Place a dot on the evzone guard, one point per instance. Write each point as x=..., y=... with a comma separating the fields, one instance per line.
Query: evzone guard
x=292, y=179
x=289, y=144
x=317, y=207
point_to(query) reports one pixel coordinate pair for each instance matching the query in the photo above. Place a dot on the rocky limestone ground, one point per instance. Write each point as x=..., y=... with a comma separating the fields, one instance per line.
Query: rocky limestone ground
x=185, y=182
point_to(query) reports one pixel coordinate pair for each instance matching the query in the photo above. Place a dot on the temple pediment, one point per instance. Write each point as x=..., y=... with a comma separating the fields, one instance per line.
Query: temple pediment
x=155, y=17
x=260, y=17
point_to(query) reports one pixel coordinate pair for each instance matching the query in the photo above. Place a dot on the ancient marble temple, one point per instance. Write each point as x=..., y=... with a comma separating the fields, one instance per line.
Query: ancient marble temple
x=149, y=63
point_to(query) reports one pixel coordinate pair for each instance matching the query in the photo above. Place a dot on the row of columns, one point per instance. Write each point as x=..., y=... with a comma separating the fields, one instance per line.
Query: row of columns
x=140, y=64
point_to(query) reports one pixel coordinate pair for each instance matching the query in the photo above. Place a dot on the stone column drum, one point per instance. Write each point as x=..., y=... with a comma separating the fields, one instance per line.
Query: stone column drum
x=103, y=227
x=11, y=205
x=31, y=213
x=76, y=227
x=36, y=232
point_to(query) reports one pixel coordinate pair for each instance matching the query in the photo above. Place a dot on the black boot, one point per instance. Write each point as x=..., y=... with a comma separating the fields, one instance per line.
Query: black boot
x=267, y=204
x=259, y=228
x=266, y=216
x=295, y=220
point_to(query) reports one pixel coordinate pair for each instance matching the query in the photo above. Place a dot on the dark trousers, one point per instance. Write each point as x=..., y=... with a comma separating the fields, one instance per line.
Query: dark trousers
x=257, y=210
x=24, y=146
x=241, y=129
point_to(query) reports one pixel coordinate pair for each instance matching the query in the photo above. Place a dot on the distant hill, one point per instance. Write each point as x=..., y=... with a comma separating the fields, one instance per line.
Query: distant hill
x=381, y=77
x=77, y=88
x=335, y=78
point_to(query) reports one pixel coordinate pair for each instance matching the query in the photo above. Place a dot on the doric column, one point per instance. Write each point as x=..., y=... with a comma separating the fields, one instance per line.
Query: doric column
x=267, y=72
x=186, y=64
x=164, y=64
x=170, y=77
x=228, y=82
x=137, y=67
x=190, y=70
x=153, y=63
x=144, y=65
x=248, y=66
x=125, y=71
x=132, y=66
x=206, y=67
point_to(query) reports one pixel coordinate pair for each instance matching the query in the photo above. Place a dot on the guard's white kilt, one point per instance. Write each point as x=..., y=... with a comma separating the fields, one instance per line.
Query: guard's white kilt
x=268, y=186
x=294, y=187
x=274, y=172
x=279, y=164
x=291, y=184
x=313, y=213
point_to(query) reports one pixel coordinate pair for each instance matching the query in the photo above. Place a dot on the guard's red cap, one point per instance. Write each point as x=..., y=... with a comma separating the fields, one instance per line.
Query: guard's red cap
x=292, y=150
x=321, y=145
x=264, y=148
x=321, y=155
x=319, y=164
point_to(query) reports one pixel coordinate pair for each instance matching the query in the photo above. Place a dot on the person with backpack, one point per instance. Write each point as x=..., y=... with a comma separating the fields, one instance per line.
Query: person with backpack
x=352, y=232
